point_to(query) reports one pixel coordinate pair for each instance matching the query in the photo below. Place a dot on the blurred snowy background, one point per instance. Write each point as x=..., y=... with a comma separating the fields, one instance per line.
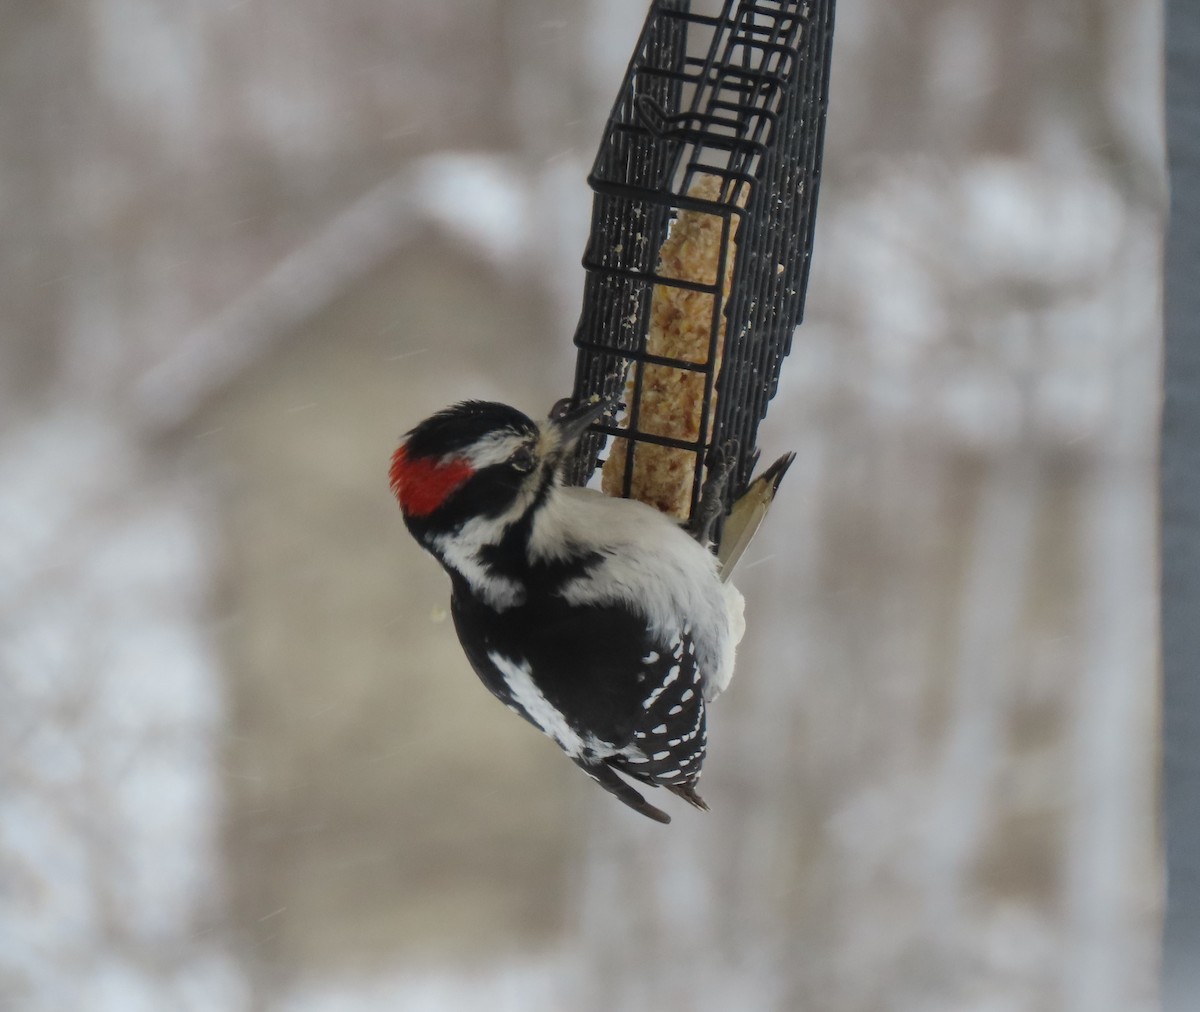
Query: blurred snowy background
x=243, y=764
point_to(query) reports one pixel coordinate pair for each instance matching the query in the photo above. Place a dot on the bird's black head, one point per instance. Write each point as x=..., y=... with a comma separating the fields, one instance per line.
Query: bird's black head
x=480, y=459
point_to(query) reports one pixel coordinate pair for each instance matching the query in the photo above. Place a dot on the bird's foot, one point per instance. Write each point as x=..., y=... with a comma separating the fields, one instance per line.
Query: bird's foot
x=712, y=496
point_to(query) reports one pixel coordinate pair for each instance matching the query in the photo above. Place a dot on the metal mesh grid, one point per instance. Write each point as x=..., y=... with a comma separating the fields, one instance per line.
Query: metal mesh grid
x=739, y=95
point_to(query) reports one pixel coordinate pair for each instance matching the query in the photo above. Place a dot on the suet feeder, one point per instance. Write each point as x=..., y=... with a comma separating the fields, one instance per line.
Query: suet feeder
x=701, y=238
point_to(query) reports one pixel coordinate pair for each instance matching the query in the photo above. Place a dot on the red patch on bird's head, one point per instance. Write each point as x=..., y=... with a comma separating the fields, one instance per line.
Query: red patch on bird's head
x=422, y=484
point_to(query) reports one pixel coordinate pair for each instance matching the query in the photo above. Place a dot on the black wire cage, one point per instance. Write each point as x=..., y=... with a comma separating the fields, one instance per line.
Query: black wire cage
x=734, y=100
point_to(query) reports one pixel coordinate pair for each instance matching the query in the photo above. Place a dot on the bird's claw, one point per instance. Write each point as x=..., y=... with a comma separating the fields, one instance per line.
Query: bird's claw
x=721, y=463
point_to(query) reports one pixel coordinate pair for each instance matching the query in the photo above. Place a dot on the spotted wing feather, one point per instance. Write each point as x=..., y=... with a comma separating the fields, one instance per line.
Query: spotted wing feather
x=671, y=736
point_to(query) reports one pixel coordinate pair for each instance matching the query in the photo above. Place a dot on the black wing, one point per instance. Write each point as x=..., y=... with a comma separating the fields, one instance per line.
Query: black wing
x=612, y=696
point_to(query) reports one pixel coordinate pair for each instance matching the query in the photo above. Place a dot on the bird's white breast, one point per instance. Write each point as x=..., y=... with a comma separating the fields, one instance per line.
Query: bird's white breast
x=650, y=564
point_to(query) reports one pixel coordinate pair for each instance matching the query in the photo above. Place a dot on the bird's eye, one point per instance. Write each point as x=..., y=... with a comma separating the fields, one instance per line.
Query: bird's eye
x=522, y=460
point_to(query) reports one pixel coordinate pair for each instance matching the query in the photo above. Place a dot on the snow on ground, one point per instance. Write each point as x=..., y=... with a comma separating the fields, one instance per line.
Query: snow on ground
x=110, y=730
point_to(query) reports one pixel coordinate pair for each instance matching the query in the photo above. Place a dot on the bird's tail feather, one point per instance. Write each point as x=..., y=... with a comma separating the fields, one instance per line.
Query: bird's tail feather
x=607, y=778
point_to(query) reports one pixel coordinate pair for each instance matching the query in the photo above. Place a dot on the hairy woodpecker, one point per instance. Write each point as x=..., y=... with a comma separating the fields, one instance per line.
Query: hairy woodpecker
x=601, y=621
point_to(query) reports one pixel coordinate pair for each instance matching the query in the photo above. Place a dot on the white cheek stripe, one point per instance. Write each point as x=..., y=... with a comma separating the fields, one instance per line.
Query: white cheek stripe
x=461, y=553
x=460, y=549
x=494, y=448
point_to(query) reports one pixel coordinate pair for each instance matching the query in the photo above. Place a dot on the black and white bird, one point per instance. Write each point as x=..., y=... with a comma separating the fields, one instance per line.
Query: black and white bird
x=601, y=621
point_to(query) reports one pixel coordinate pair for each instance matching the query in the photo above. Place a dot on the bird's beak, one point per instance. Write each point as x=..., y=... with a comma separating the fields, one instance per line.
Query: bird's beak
x=569, y=425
